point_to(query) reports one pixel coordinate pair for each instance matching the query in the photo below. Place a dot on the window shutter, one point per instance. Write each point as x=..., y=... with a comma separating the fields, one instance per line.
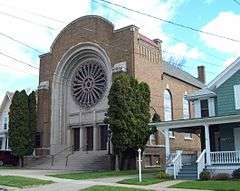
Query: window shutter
x=237, y=96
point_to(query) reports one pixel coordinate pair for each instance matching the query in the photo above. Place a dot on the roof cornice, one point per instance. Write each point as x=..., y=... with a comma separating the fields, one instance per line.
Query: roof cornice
x=225, y=74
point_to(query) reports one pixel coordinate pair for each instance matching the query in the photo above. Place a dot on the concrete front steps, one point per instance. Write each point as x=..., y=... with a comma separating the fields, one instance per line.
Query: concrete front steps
x=188, y=172
x=79, y=160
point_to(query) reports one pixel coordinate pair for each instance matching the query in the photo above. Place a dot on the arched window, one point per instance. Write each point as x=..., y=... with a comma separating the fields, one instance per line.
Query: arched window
x=185, y=108
x=167, y=105
x=168, y=111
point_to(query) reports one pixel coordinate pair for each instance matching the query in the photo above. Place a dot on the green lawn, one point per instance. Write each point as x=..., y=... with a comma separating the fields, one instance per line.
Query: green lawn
x=21, y=182
x=101, y=174
x=210, y=185
x=145, y=181
x=110, y=188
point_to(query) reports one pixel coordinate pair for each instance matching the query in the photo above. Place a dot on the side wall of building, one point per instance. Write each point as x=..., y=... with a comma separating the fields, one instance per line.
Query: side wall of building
x=225, y=96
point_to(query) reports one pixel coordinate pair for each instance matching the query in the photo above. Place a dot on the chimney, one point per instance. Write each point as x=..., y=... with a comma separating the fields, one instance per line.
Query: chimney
x=201, y=74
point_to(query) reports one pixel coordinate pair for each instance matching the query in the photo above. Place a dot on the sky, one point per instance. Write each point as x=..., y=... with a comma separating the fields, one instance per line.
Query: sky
x=37, y=23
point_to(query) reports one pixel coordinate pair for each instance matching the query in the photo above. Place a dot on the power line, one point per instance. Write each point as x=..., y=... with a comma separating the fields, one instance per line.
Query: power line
x=27, y=20
x=236, y=1
x=174, y=38
x=172, y=22
x=33, y=13
x=17, y=69
x=189, y=44
x=20, y=42
x=17, y=60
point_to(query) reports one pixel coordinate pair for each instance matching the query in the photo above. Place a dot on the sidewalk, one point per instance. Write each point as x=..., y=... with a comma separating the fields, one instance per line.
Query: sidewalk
x=76, y=185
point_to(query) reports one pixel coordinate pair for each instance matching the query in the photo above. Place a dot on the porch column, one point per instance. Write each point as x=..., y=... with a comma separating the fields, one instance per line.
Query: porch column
x=207, y=144
x=167, y=144
x=95, y=133
x=95, y=137
x=4, y=143
x=82, y=141
x=6, y=146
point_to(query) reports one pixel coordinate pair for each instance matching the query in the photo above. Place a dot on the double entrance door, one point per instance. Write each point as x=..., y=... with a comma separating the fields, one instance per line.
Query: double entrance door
x=86, y=144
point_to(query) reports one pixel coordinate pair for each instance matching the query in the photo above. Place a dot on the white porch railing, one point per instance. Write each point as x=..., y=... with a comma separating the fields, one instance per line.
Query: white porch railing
x=177, y=164
x=201, y=163
x=225, y=157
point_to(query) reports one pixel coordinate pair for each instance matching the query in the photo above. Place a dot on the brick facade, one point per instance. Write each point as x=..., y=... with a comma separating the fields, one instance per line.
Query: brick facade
x=144, y=61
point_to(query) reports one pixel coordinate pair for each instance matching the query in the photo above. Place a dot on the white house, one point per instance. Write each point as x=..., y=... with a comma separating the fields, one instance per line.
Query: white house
x=4, y=119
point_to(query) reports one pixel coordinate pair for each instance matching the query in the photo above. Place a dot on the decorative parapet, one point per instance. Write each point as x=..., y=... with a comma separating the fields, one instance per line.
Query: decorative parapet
x=43, y=85
x=120, y=67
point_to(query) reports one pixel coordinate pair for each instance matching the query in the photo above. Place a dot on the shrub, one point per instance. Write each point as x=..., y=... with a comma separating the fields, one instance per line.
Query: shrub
x=205, y=175
x=236, y=174
x=163, y=175
x=221, y=176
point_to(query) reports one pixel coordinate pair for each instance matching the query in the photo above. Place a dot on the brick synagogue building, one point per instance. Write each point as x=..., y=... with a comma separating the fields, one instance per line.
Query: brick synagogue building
x=74, y=82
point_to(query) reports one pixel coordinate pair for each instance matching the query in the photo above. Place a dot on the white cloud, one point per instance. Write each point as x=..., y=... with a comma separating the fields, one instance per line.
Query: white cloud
x=38, y=37
x=181, y=50
x=226, y=24
x=229, y=61
x=148, y=26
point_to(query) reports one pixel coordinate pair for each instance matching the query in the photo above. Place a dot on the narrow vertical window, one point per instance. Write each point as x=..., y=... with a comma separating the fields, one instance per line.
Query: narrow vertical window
x=168, y=112
x=167, y=105
x=185, y=108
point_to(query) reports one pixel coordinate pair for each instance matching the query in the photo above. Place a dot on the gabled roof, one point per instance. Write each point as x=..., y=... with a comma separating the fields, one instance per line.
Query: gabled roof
x=181, y=75
x=215, y=83
x=225, y=75
x=202, y=93
x=8, y=97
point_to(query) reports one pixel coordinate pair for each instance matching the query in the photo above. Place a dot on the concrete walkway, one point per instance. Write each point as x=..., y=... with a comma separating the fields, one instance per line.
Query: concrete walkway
x=76, y=185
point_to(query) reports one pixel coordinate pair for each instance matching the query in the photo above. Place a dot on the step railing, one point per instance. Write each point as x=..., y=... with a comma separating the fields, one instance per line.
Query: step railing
x=177, y=164
x=225, y=157
x=84, y=148
x=201, y=163
x=68, y=150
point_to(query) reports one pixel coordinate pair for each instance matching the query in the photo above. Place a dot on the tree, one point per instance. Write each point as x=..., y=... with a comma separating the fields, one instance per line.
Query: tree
x=32, y=120
x=128, y=116
x=177, y=61
x=19, y=133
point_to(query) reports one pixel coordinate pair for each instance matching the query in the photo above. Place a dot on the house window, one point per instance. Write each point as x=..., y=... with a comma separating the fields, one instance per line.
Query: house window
x=185, y=108
x=167, y=105
x=152, y=139
x=236, y=96
x=37, y=140
x=5, y=122
x=188, y=136
x=168, y=113
x=204, y=108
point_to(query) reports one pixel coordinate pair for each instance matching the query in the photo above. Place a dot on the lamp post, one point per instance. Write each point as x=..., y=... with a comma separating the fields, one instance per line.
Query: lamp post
x=139, y=165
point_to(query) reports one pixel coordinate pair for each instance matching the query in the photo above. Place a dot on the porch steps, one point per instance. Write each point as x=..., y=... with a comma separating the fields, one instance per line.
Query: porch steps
x=188, y=172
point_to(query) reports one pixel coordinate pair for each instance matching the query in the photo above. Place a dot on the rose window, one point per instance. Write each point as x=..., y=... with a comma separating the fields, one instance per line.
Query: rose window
x=89, y=84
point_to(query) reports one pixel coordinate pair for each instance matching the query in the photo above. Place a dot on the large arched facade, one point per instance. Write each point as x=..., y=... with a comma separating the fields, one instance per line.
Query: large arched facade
x=80, y=86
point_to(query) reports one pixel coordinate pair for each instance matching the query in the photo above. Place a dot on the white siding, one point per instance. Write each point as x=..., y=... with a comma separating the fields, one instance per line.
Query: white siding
x=211, y=107
x=197, y=108
x=237, y=96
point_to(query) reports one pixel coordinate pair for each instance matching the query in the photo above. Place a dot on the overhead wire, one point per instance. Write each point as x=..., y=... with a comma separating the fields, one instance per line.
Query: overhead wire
x=27, y=20
x=172, y=37
x=172, y=22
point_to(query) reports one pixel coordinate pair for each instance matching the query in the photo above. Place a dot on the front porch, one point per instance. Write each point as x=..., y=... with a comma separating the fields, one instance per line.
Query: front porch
x=220, y=144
